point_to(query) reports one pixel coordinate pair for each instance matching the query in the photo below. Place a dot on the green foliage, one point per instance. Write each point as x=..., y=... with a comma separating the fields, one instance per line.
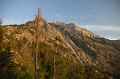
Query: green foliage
x=64, y=70
x=7, y=65
x=46, y=59
x=23, y=75
x=10, y=70
x=61, y=67
x=24, y=71
x=76, y=72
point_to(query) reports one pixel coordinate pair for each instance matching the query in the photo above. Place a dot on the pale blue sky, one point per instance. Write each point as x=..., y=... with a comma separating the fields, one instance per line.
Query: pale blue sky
x=99, y=16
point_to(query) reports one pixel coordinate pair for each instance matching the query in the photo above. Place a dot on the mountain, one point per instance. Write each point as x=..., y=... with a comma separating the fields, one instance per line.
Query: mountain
x=102, y=51
x=74, y=52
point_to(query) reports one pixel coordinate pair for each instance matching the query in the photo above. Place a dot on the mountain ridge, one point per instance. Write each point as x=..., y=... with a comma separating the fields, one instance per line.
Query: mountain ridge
x=71, y=42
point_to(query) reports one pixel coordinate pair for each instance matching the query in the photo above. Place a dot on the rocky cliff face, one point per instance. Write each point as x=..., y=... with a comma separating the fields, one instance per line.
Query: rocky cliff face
x=102, y=51
x=73, y=43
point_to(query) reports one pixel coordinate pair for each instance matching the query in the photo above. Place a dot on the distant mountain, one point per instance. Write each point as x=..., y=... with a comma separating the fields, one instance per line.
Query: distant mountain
x=78, y=52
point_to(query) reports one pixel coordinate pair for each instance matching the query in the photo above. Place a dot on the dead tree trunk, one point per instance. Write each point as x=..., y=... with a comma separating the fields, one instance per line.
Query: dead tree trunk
x=54, y=68
x=36, y=52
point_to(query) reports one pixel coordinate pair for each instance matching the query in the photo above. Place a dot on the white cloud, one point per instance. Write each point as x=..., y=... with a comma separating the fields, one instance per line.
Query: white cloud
x=112, y=38
x=66, y=18
x=102, y=28
x=59, y=17
x=109, y=32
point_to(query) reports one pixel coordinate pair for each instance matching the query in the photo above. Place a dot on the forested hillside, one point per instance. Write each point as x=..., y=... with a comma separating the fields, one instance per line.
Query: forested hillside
x=65, y=51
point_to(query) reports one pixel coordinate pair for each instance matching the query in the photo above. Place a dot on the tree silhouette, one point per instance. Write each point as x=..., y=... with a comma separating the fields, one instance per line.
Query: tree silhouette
x=7, y=65
x=38, y=17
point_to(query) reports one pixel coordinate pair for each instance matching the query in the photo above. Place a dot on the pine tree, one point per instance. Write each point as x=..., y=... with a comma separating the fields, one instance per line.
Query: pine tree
x=7, y=65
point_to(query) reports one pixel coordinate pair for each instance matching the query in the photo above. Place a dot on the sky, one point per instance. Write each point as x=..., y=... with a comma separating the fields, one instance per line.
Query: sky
x=101, y=17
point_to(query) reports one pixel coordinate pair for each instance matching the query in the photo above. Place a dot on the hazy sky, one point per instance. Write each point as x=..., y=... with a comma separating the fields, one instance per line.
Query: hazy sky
x=99, y=16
